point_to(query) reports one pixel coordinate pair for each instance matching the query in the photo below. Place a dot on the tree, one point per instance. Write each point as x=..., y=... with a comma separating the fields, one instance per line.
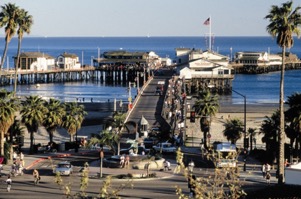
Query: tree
x=233, y=130
x=74, y=117
x=33, y=113
x=8, y=108
x=252, y=133
x=284, y=23
x=118, y=124
x=270, y=129
x=206, y=106
x=106, y=138
x=24, y=21
x=293, y=116
x=54, y=116
x=8, y=18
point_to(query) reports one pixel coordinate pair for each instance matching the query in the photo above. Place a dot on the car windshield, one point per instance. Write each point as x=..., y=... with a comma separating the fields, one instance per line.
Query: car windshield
x=63, y=166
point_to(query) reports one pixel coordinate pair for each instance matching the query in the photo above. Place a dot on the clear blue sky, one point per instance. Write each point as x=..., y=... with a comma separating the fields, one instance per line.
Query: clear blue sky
x=152, y=17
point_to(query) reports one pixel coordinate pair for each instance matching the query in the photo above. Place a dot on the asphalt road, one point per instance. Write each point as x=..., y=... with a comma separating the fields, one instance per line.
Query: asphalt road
x=24, y=188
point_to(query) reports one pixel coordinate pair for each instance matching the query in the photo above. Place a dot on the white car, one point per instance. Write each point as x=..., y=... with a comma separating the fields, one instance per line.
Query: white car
x=63, y=168
x=165, y=147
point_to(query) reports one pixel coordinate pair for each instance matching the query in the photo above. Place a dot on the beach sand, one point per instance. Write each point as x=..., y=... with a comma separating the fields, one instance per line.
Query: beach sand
x=255, y=114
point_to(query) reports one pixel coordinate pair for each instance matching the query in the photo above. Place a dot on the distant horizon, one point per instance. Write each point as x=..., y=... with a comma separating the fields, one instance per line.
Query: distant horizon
x=32, y=36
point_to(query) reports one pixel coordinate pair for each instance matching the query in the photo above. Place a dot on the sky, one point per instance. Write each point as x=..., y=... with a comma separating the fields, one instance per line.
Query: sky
x=114, y=18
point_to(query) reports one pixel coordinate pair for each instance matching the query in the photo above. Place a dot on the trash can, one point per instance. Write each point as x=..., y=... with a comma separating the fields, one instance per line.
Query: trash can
x=62, y=147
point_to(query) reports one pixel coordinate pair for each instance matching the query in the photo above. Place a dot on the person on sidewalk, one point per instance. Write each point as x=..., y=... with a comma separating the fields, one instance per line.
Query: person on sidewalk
x=127, y=161
x=122, y=159
x=8, y=182
x=167, y=165
x=36, y=176
x=268, y=177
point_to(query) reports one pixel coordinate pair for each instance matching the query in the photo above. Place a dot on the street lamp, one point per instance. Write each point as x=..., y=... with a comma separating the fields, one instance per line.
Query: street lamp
x=130, y=94
x=245, y=116
x=191, y=166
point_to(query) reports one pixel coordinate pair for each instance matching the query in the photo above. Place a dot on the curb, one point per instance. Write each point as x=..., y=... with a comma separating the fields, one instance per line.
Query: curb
x=54, y=156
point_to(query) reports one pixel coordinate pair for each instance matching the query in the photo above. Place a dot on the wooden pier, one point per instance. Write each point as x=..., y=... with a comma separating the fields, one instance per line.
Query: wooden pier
x=110, y=74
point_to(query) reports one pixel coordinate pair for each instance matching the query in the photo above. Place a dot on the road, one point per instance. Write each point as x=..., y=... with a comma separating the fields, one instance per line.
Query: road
x=151, y=188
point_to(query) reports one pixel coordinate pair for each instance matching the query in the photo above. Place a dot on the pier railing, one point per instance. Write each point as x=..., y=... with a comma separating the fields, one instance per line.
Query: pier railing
x=26, y=72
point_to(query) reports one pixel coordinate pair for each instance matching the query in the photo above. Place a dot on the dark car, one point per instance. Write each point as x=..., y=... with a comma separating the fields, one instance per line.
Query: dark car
x=149, y=142
x=132, y=150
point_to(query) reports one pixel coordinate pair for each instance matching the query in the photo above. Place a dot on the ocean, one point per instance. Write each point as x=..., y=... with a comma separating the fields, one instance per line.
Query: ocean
x=258, y=89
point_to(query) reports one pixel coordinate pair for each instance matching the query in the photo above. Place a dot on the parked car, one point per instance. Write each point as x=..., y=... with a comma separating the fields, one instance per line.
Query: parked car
x=150, y=142
x=132, y=149
x=64, y=168
x=165, y=147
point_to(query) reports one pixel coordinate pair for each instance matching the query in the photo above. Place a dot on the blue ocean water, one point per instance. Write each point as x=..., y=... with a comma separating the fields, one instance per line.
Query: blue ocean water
x=263, y=88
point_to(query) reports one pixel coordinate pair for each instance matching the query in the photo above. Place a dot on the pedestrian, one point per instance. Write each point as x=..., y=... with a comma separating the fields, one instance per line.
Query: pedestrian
x=8, y=182
x=191, y=185
x=14, y=156
x=286, y=163
x=167, y=165
x=127, y=161
x=268, y=177
x=267, y=167
x=21, y=156
x=122, y=158
x=36, y=176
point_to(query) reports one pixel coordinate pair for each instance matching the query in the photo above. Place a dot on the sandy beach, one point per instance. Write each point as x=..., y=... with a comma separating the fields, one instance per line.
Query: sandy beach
x=255, y=114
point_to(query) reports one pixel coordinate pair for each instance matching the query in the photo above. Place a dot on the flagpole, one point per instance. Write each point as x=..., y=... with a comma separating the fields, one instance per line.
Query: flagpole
x=210, y=22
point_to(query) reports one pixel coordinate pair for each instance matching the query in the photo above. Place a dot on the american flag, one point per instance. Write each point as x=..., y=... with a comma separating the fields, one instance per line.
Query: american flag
x=207, y=22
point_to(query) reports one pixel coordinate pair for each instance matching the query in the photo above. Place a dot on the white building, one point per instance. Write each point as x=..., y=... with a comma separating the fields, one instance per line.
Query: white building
x=68, y=61
x=201, y=64
x=255, y=59
x=35, y=61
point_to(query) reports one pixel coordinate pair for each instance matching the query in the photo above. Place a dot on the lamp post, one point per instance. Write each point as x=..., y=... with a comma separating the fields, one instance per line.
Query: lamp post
x=245, y=116
x=130, y=94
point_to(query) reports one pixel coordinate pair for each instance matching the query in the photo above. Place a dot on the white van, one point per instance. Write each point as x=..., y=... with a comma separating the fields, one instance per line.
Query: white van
x=226, y=155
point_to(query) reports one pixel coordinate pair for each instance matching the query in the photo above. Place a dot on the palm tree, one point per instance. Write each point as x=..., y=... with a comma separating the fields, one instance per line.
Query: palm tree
x=8, y=108
x=284, y=23
x=106, y=138
x=24, y=21
x=33, y=114
x=72, y=121
x=54, y=116
x=206, y=106
x=252, y=133
x=233, y=130
x=8, y=18
x=293, y=116
x=270, y=129
x=118, y=124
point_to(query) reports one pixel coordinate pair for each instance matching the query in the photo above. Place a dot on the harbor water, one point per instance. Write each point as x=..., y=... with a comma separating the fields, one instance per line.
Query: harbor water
x=262, y=88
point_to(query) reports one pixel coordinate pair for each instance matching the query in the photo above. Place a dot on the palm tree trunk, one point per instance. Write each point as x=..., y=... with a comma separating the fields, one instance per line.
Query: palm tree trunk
x=50, y=136
x=281, y=135
x=4, y=54
x=17, y=66
x=2, y=59
x=1, y=143
x=31, y=143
